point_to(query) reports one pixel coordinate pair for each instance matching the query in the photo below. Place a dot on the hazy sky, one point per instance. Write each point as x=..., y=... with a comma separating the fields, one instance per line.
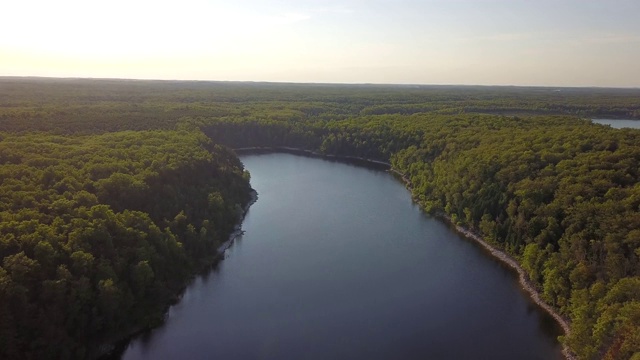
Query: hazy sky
x=505, y=42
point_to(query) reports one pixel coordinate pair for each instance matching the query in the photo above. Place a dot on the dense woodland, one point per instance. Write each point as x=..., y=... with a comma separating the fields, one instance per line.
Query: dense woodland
x=100, y=232
x=113, y=195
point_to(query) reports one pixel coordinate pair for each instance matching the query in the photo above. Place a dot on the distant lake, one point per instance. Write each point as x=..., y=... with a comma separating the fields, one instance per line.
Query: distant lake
x=618, y=124
x=337, y=263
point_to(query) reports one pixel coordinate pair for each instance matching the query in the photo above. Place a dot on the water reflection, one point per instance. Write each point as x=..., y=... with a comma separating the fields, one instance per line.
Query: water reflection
x=337, y=263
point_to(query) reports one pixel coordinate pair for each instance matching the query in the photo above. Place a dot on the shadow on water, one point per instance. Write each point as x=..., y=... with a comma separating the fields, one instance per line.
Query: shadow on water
x=349, y=160
x=145, y=336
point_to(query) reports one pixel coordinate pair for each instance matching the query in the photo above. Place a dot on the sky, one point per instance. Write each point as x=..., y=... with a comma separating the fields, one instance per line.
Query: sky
x=474, y=42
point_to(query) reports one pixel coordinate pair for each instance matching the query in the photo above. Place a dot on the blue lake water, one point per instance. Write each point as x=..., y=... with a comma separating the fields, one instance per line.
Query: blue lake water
x=337, y=263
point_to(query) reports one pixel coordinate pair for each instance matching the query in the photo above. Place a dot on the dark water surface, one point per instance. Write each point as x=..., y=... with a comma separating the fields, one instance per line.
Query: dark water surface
x=337, y=263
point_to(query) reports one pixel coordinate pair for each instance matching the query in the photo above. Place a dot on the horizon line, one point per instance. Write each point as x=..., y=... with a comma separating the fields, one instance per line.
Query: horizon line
x=637, y=87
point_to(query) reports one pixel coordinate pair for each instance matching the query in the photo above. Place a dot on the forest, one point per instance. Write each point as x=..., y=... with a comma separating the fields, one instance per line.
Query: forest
x=100, y=232
x=115, y=192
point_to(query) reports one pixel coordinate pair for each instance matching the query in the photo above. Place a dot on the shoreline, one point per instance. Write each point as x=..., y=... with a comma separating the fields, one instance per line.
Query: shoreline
x=114, y=350
x=305, y=152
x=511, y=262
x=523, y=279
x=237, y=230
x=493, y=251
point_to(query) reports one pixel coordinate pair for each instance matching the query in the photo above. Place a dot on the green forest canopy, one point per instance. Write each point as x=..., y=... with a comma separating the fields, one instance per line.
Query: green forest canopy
x=89, y=160
x=99, y=233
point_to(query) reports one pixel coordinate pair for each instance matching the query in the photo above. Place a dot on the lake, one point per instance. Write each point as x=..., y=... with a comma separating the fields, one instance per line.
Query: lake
x=337, y=263
x=618, y=124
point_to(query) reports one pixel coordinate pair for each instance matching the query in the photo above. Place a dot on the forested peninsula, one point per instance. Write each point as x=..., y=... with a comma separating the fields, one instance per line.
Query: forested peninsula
x=115, y=192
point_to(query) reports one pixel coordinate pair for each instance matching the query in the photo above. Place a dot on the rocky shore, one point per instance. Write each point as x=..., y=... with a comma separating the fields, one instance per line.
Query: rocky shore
x=505, y=258
x=523, y=279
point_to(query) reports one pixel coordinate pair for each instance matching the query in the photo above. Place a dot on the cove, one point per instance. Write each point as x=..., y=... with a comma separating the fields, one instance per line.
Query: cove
x=336, y=262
